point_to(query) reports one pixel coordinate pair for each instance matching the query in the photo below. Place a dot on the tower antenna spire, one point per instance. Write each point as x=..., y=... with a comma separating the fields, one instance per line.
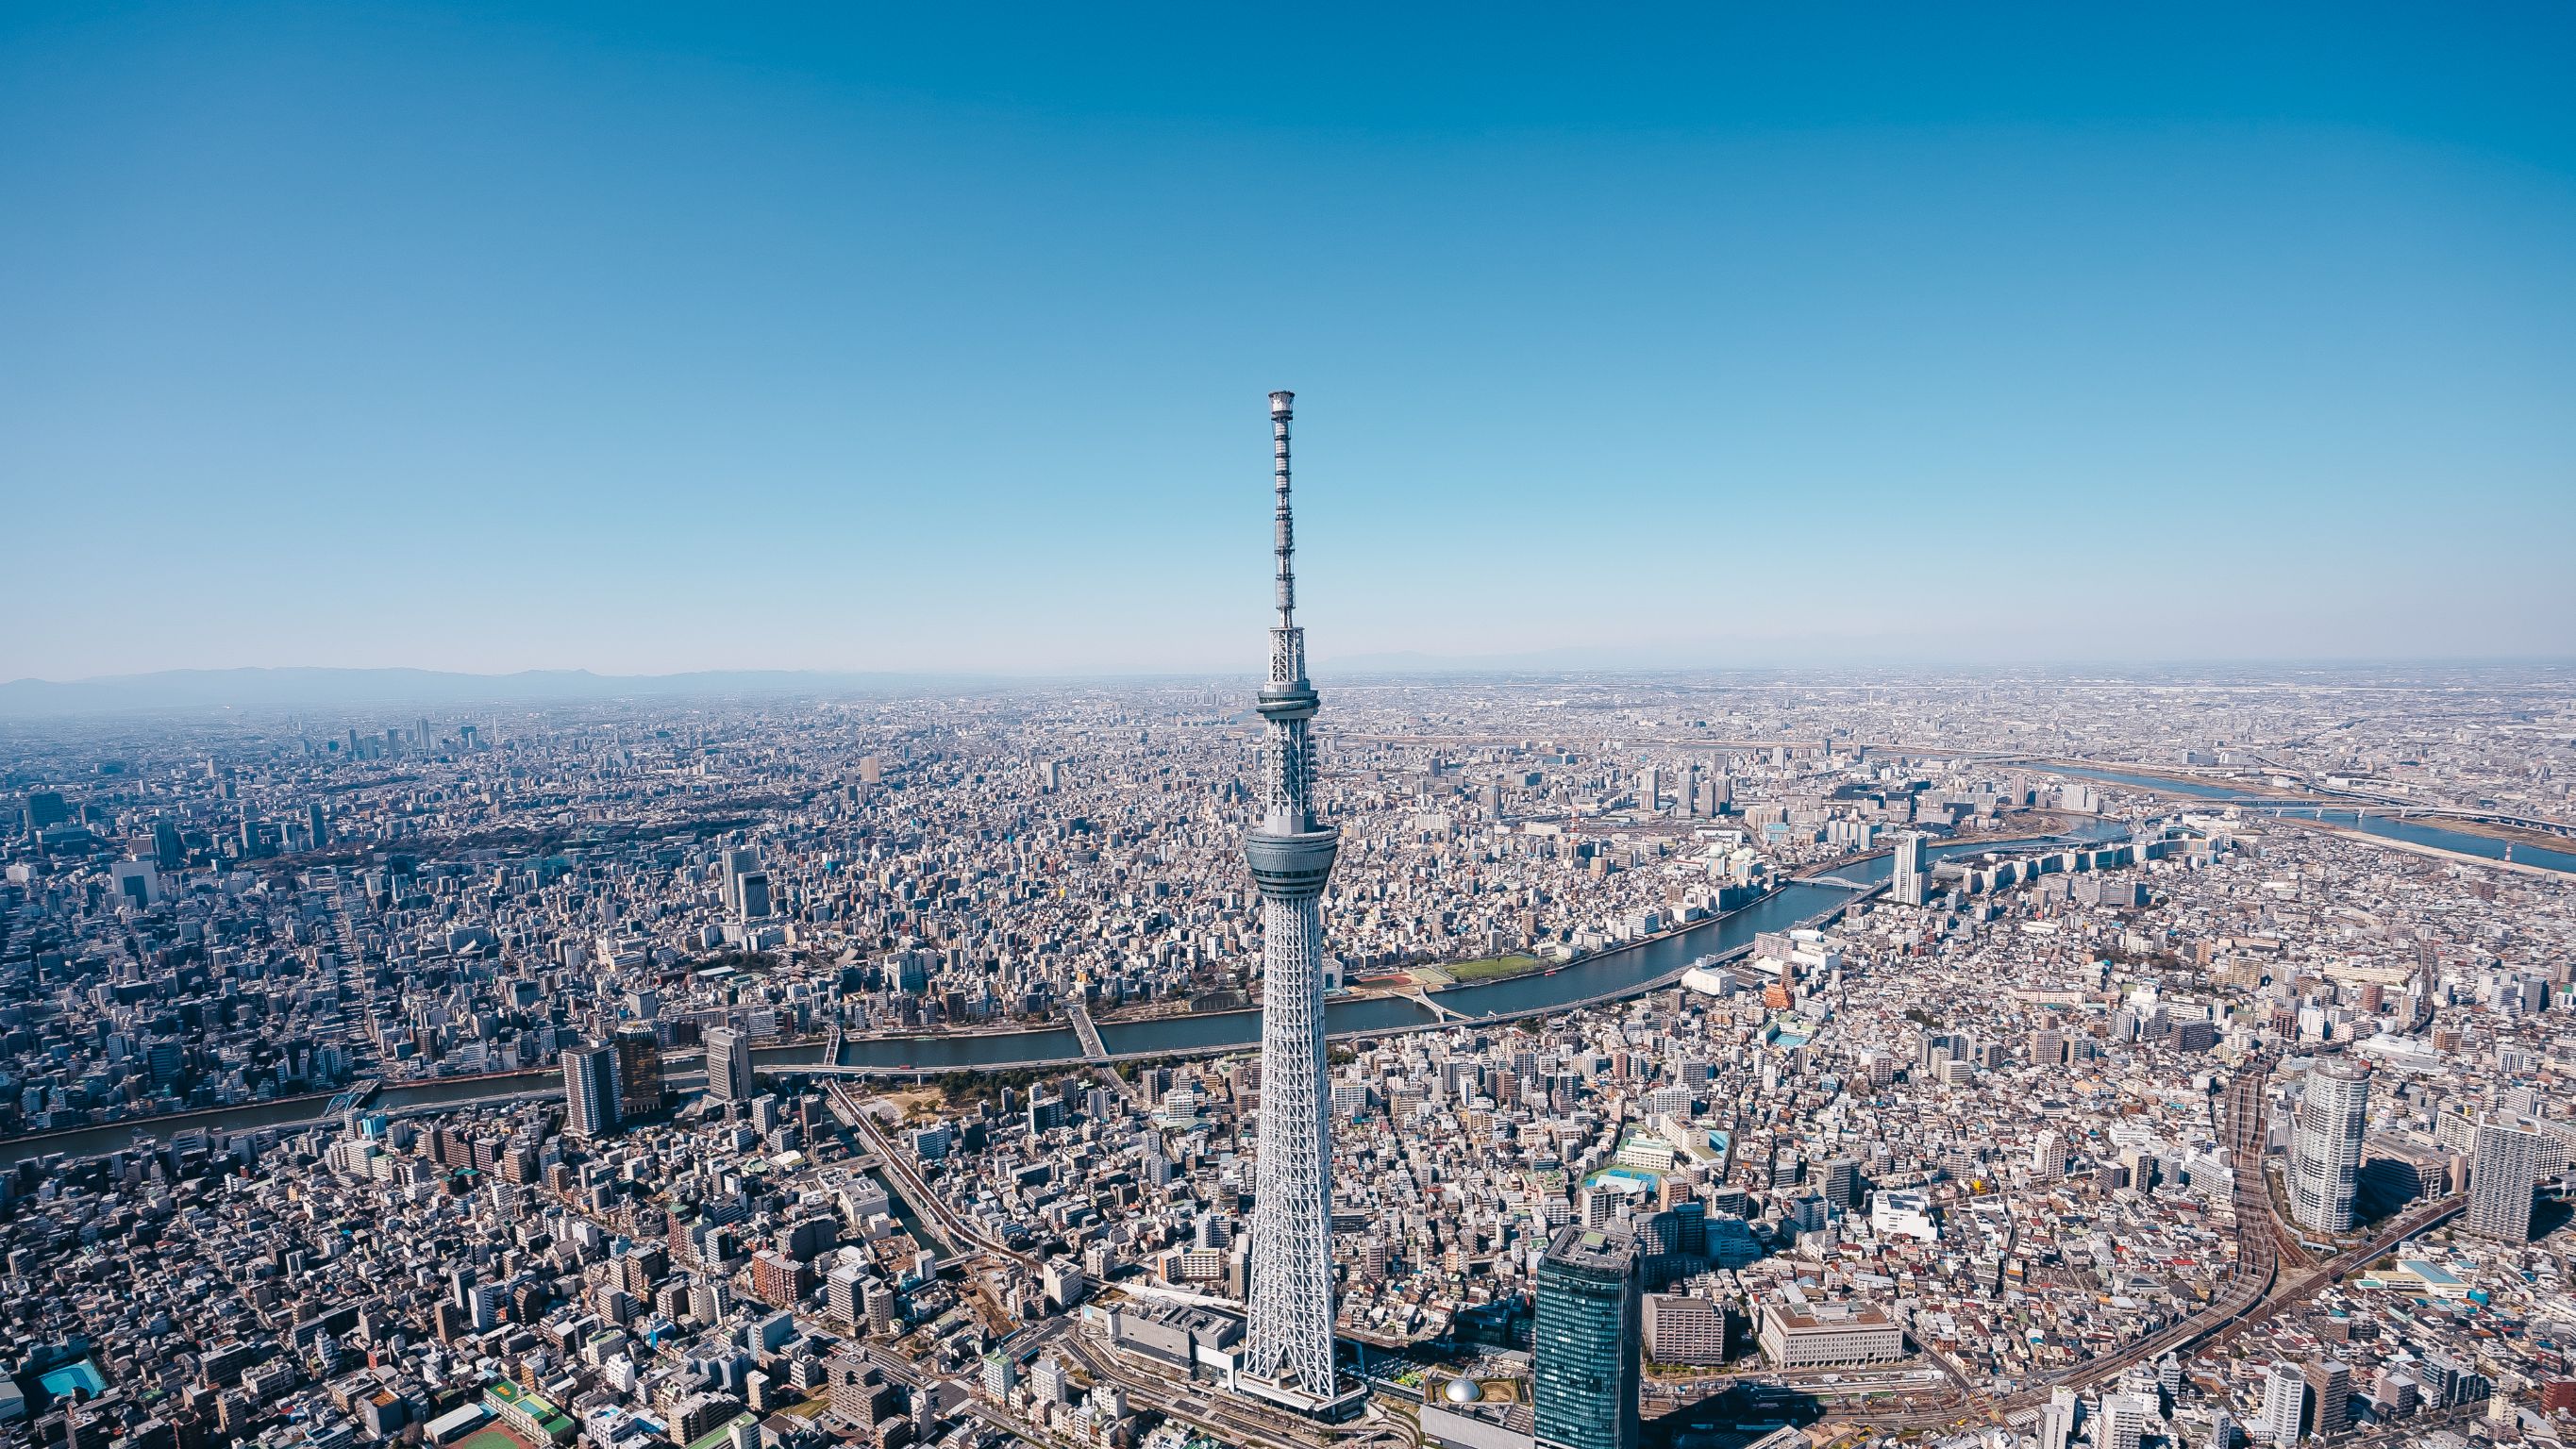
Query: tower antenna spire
x=1284, y=530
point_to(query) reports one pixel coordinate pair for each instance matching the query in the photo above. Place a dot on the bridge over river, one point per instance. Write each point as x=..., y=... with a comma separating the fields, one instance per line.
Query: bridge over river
x=1624, y=971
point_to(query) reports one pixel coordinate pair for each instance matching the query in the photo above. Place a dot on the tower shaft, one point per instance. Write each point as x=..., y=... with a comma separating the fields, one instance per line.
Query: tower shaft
x=1290, y=1333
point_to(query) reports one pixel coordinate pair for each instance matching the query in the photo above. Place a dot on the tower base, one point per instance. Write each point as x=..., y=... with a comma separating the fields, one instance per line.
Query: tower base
x=1297, y=1400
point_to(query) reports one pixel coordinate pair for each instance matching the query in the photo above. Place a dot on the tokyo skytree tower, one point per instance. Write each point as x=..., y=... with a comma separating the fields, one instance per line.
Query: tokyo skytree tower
x=1291, y=852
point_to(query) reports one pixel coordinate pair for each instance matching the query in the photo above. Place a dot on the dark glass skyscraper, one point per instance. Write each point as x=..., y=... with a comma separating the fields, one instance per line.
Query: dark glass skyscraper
x=1589, y=1326
x=639, y=1070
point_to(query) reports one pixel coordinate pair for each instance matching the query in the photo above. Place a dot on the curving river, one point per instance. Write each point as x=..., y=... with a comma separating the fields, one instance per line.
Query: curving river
x=1607, y=974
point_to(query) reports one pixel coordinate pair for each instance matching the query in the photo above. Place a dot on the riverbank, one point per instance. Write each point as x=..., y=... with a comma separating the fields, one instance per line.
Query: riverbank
x=2440, y=834
x=2348, y=832
x=2181, y=782
x=2509, y=834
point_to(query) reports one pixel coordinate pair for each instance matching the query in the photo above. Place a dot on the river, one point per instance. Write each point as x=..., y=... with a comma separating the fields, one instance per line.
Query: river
x=398, y=1097
x=1609, y=973
x=1623, y=969
x=2371, y=822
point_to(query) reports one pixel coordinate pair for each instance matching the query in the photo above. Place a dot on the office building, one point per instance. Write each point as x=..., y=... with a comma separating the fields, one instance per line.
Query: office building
x=639, y=1070
x=590, y=1090
x=1683, y=1328
x=168, y=852
x=136, y=882
x=43, y=808
x=1291, y=853
x=1585, y=1350
x=2325, y=1146
x=729, y=1064
x=1797, y=1333
x=2504, y=1172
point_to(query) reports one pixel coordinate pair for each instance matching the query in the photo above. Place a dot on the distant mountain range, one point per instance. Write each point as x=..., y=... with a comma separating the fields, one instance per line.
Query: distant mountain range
x=201, y=689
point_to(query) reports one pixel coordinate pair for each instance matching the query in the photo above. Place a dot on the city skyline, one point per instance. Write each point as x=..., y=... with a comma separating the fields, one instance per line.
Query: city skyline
x=399, y=339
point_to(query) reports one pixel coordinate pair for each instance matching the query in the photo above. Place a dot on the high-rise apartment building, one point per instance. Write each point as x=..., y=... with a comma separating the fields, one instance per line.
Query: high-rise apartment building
x=729, y=1064
x=2285, y=1405
x=1585, y=1361
x=1909, y=884
x=2125, y=1418
x=1291, y=851
x=590, y=1090
x=2048, y=1154
x=2504, y=1171
x=2329, y=1397
x=731, y=868
x=2056, y=1426
x=2325, y=1147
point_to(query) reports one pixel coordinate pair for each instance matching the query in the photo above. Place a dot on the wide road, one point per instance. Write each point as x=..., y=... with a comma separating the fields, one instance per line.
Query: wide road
x=916, y=1188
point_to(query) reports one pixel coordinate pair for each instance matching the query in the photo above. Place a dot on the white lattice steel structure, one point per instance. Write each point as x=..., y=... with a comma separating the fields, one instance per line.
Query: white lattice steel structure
x=1291, y=1329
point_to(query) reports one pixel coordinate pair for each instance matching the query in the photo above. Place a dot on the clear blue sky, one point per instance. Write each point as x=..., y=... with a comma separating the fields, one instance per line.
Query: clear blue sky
x=936, y=336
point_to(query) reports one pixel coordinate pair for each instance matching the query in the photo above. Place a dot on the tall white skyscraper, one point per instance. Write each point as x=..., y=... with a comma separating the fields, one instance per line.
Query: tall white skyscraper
x=2285, y=1404
x=1290, y=1333
x=2504, y=1171
x=1908, y=884
x=2325, y=1149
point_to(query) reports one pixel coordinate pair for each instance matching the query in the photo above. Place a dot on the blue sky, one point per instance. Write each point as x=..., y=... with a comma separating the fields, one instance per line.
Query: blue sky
x=648, y=339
